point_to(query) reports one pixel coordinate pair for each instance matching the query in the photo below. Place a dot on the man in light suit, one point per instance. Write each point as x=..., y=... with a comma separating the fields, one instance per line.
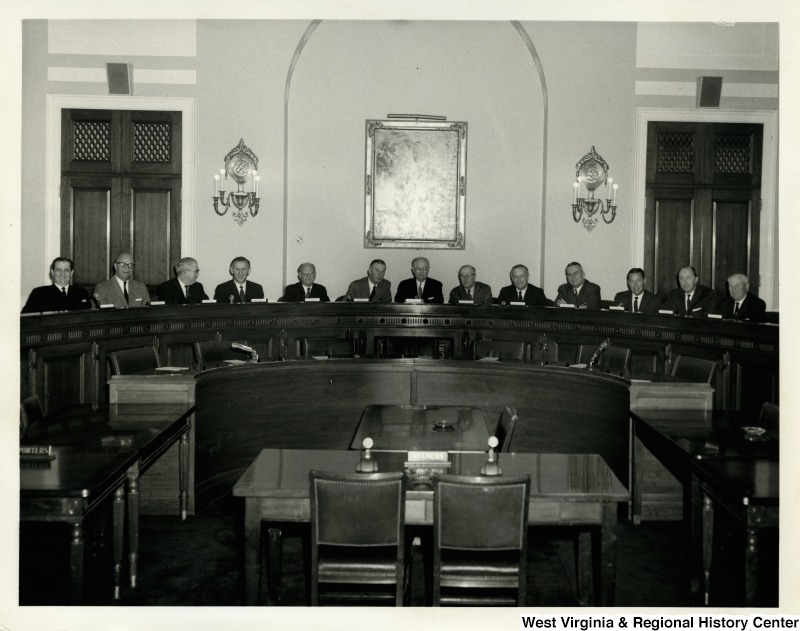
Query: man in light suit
x=373, y=287
x=742, y=305
x=184, y=289
x=62, y=295
x=520, y=291
x=470, y=289
x=637, y=299
x=121, y=290
x=429, y=290
x=577, y=290
x=691, y=298
x=238, y=289
x=306, y=288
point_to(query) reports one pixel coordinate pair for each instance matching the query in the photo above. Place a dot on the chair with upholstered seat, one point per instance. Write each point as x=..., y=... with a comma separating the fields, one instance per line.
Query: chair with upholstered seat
x=694, y=369
x=327, y=347
x=480, y=530
x=769, y=418
x=615, y=360
x=30, y=411
x=215, y=353
x=358, y=544
x=134, y=360
x=505, y=428
x=503, y=350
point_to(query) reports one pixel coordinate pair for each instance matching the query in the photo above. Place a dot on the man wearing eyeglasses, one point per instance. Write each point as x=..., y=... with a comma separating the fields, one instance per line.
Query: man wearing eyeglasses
x=62, y=295
x=420, y=287
x=121, y=290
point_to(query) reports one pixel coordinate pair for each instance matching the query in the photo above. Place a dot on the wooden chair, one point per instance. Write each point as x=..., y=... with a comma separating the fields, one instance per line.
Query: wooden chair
x=134, y=360
x=615, y=360
x=214, y=353
x=503, y=350
x=327, y=347
x=480, y=537
x=694, y=369
x=769, y=418
x=30, y=411
x=505, y=428
x=358, y=543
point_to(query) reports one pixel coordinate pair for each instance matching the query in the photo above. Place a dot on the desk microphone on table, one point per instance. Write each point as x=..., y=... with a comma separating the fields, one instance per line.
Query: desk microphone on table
x=246, y=349
x=600, y=350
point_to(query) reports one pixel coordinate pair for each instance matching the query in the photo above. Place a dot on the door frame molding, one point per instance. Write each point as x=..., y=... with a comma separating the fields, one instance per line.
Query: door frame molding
x=58, y=102
x=767, y=260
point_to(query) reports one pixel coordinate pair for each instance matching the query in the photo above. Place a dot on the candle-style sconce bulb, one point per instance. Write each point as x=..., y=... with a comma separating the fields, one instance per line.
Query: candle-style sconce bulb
x=367, y=464
x=492, y=467
x=240, y=165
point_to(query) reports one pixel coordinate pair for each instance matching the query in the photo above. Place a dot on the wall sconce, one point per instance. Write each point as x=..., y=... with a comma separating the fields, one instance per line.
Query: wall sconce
x=591, y=172
x=240, y=164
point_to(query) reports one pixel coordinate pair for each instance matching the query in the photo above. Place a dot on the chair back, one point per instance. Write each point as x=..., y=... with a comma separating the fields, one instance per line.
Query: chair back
x=502, y=349
x=327, y=347
x=694, y=369
x=358, y=531
x=30, y=411
x=480, y=537
x=505, y=428
x=615, y=360
x=769, y=417
x=133, y=360
x=214, y=353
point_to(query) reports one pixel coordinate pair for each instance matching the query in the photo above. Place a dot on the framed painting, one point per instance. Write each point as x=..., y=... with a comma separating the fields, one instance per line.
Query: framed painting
x=415, y=184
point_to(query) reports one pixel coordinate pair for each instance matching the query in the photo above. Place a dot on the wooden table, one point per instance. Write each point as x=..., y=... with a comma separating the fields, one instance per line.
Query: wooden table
x=415, y=428
x=566, y=489
x=96, y=452
x=680, y=447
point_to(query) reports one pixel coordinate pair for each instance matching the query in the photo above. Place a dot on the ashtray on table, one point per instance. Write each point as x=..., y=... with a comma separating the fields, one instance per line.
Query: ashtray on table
x=443, y=426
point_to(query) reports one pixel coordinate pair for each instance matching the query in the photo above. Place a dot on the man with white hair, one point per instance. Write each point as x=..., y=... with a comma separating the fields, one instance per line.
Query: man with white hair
x=741, y=304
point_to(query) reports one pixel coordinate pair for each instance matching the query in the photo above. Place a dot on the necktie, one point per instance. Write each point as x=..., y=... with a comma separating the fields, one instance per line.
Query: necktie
x=519, y=293
x=186, y=293
x=736, y=308
x=372, y=294
x=64, y=290
x=308, y=292
x=688, y=300
x=469, y=294
x=576, y=293
x=125, y=291
x=419, y=291
x=636, y=304
x=241, y=293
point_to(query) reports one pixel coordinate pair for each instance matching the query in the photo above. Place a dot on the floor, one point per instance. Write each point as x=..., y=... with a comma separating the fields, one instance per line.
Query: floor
x=196, y=563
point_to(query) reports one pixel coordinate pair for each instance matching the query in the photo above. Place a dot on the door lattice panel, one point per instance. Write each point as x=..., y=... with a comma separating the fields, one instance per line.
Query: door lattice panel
x=151, y=142
x=92, y=141
x=675, y=153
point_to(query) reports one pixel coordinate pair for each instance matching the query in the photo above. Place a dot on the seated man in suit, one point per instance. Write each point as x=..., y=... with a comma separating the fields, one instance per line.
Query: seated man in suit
x=306, y=288
x=577, y=290
x=520, y=291
x=691, y=298
x=184, y=289
x=427, y=289
x=741, y=304
x=373, y=287
x=121, y=290
x=238, y=289
x=470, y=289
x=637, y=299
x=61, y=295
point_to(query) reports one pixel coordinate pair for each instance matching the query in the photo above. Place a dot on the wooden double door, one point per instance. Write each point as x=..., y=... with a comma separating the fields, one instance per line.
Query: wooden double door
x=120, y=192
x=703, y=202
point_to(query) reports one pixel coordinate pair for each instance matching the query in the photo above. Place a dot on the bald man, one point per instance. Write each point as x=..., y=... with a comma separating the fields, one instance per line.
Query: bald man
x=469, y=289
x=429, y=290
x=306, y=289
x=741, y=304
x=121, y=290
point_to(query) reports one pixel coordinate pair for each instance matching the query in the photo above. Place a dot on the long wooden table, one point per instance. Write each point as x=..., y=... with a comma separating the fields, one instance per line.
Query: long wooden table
x=566, y=489
x=95, y=453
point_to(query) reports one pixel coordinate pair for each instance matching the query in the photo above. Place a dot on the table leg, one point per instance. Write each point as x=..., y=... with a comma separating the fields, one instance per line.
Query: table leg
x=252, y=550
x=183, y=468
x=604, y=594
x=750, y=567
x=636, y=482
x=583, y=567
x=708, y=542
x=133, y=523
x=118, y=536
x=76, y=563
x=274, y=564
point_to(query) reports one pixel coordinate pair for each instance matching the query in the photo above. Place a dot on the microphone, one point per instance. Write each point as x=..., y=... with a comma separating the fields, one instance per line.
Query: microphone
x=246, y=349
x=230, y=299
x=600, y=350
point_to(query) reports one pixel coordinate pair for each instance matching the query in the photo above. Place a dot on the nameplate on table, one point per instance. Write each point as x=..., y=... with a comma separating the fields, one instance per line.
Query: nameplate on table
x=516, y=303
x=29, y=455
x=466, y=302
x=427, y=456
x=414, y=301
x=566, y=305
x=37, y=450
x=616, y=308
x=109, y=305
x=210, y=302
x=157, y=303
x=715, y=315
x=360, y=299
x=312, y=300
x=259, y=300
x=665, y=311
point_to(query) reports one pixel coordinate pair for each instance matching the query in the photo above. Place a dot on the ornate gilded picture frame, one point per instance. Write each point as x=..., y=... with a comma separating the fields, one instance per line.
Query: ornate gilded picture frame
x=415, y=184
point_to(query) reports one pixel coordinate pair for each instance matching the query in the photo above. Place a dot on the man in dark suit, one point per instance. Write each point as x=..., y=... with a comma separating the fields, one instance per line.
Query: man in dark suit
x=691, y=298
x=469, y=289
x=121, y=290
x=184, y=289
x=61, y=295
x=373, y=287
x=238, y=289
x=427, y=289
x=637, y=299
x=306, y=289
x=520, y=291
x=577, y=290
x=741, y=304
